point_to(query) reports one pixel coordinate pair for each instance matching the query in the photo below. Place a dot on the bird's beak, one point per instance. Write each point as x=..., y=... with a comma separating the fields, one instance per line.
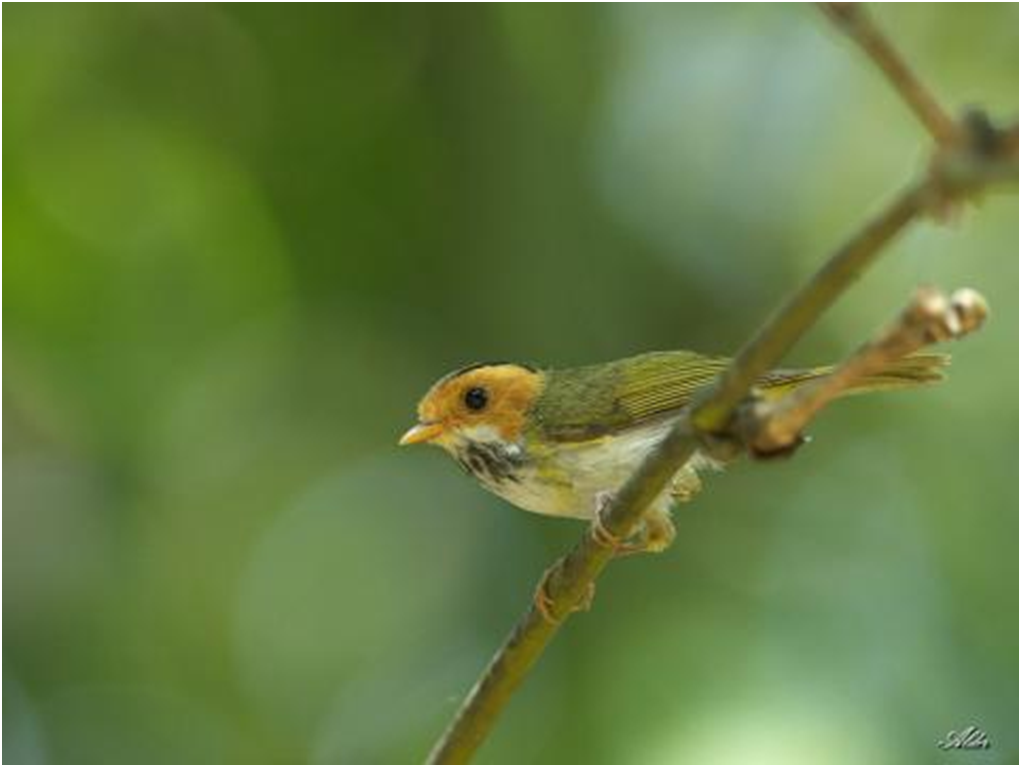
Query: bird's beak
x=421, y=432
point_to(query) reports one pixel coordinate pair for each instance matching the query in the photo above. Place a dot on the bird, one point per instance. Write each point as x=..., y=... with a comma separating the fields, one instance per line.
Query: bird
x=559, y=442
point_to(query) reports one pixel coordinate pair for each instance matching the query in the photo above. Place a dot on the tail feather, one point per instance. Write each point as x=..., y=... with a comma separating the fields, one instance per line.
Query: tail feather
x=914, y=370
x=905, y=373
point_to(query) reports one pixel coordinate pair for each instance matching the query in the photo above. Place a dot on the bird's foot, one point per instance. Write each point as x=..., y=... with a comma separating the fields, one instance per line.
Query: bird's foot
x=621, y=547
x=545, y=604
x=601, y=533
x=598, y=530
x=658, y=532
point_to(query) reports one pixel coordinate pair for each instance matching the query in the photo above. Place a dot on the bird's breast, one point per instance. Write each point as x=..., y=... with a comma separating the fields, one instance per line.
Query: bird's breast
x=558, y=479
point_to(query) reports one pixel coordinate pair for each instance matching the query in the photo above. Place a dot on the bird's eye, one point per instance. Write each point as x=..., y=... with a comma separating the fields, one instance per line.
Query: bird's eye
x=476, y=398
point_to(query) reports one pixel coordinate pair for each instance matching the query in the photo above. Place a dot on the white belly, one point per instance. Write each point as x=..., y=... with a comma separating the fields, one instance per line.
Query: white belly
x=575, y=473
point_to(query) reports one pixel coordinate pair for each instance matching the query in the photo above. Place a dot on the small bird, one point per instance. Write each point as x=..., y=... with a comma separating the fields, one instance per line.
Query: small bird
x=560, y=442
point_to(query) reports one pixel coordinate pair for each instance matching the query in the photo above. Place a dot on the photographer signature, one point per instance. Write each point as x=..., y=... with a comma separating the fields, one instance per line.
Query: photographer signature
x=969, y=738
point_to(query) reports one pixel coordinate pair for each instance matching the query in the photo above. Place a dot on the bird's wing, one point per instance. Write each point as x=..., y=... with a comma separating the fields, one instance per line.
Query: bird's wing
x=663, y=382
x=588, y=403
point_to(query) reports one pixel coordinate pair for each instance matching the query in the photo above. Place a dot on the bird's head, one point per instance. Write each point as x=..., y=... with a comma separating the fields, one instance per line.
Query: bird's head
x=480, y=403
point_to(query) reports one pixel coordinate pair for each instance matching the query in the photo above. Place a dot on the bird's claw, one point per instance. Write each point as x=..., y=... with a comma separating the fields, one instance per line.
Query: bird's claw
x=598, y=530
x=544, y=603
x=602, y=535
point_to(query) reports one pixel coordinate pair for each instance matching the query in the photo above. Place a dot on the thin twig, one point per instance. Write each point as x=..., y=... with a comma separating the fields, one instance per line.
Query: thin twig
x=956, y=173
x=855, y=20
x=771, y=426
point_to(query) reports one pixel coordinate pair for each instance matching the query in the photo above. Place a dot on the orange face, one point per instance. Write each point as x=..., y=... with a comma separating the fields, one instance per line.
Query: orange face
x=491, y=396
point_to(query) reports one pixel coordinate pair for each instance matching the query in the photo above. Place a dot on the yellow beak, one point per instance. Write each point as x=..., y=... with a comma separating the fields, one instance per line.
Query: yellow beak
x=421, y=432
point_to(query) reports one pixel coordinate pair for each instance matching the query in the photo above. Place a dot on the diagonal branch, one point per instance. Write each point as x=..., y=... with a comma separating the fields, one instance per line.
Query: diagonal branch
x=856, y=22
x=972, y=156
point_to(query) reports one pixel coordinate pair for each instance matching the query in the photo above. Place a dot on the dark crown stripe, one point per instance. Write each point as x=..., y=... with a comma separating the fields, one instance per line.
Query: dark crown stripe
x=477, y=365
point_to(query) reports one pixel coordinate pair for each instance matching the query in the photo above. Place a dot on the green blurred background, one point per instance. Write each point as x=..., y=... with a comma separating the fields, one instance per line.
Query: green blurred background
x=242, y=241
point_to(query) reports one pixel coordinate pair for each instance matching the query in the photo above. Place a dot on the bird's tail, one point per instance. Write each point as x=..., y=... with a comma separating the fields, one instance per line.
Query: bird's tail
x=905, y=373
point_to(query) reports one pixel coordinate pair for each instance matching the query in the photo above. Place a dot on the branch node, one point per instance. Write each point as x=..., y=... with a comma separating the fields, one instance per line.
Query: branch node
x=960, y=172
x=723, y=446
x=775, y=427
x=764, y=436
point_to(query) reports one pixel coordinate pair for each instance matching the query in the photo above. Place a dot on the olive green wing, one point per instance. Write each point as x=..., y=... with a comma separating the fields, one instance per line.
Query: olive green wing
x=663, y=382
x=591, y=402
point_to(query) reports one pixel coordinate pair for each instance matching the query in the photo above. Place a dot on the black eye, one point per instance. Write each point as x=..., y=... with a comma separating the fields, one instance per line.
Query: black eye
x=476, y=398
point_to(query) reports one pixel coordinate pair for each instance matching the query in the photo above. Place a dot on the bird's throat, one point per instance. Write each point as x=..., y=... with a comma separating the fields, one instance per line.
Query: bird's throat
x=491, y=463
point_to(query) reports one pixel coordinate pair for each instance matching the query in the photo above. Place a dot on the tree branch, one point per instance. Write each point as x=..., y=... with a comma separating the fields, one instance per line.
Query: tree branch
x=854, y=20
x=771, y=426
x=972, y=155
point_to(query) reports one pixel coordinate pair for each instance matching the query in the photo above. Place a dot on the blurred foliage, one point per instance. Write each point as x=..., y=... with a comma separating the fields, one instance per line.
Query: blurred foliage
x=242, y=241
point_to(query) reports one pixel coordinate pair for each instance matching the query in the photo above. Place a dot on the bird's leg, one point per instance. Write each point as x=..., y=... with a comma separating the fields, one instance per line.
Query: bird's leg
x=685, y=486
x=655, y=536
x=656, y=533
x=544, y=602
x=598, y=531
